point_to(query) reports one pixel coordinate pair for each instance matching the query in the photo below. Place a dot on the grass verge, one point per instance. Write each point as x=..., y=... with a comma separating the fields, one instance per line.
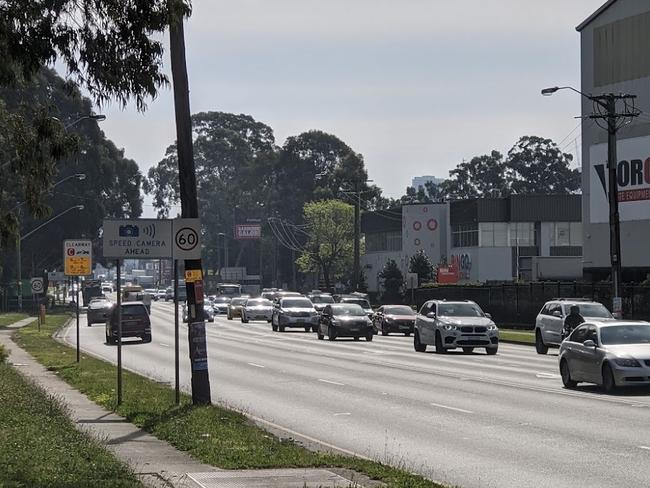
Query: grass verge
x=40, y=446
x=10, y=318
x=525, y=336
x=212, y=434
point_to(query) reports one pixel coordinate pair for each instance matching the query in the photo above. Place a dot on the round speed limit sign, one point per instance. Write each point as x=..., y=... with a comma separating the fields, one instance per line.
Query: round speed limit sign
x=37, y=285
x=186, y=239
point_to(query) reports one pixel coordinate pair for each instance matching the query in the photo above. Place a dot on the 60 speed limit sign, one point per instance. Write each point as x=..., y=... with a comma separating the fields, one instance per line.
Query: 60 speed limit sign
x=187, y=239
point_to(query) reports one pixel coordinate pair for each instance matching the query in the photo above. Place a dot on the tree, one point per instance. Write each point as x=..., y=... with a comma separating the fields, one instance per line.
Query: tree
x=421, y=264
x=330, y=227
x=537, y=165
x=392, y=279
x=481, y=177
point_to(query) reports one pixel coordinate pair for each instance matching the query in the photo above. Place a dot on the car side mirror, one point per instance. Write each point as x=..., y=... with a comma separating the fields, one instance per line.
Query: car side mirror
x=431, y=315
x=557, y=314
x=589, y=343
x=489, y=316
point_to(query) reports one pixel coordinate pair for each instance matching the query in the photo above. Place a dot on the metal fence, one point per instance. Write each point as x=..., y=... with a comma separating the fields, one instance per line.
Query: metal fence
x=518, y=304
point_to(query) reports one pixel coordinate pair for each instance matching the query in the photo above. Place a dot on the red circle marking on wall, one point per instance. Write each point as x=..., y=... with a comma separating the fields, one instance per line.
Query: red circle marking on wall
x=432, y=224
x=417, y=225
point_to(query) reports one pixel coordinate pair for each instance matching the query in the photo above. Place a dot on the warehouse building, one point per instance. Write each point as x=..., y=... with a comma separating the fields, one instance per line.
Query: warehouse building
x=615, y=42
x=525, y=237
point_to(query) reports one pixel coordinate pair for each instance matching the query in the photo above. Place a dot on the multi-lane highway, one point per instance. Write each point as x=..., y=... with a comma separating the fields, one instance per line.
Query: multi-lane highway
x=467, y=420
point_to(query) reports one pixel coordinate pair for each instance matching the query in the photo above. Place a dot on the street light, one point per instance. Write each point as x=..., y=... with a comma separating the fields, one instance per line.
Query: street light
x=97, y=117
x=606, y=110
x=78, y=176
x=357, y=233
x=19, y=246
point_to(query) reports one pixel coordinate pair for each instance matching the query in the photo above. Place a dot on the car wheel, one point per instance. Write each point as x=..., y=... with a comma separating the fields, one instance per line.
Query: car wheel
x=146, y=338
x=468, y=350
x=439, y=348
x=320, y=336
x=407, y=334
x=540, y=347
x=566, y=375
x=609, y=383
x=491, y=351
x=314, y=328
x=109, y=339
x=307, y=329
x=281, y=328
x=90, y=324
x=331, y=333
x=369, y=336
x=417, y=345
x=244, y=319
x=229, y=317
x=384, y=332
x=356, y=338
x=274, y=327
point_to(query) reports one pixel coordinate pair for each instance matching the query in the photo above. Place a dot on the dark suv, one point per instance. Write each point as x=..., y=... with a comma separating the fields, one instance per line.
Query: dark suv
x=135, y=323
x=344, y=320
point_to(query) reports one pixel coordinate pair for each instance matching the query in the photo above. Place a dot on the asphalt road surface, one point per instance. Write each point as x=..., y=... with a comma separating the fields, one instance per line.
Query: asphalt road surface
x=467, y=420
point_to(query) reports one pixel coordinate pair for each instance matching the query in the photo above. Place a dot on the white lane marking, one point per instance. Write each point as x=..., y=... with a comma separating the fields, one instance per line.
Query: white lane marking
x=450, y=408
x=644, y=447
x=342, y=413
x=164, y=345
x=256, y=365
x=331, y=382
x=548, y=376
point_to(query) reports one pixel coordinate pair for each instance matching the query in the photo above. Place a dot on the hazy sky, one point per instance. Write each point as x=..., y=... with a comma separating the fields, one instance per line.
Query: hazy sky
x=413, y=85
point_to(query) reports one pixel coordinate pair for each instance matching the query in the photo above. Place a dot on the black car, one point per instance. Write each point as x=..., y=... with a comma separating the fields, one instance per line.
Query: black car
x=345, y=320
x=99, y=310
x=394, y=318
x=135, y=323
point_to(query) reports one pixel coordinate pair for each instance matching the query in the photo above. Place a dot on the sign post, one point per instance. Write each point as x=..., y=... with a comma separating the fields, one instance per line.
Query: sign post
x=119, y=332
x=37, y=289
x=177, y=382
x=77, y=261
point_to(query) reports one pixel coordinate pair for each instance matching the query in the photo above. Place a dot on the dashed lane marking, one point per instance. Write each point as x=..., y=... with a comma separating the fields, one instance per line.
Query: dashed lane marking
x=331, y=382
x=446, y=407
x=256, y=365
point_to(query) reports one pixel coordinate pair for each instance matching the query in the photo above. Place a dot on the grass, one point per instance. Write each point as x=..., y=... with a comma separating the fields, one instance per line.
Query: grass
x=10, y=318
x=40, y=446
x=527, y=336
x=212, y=434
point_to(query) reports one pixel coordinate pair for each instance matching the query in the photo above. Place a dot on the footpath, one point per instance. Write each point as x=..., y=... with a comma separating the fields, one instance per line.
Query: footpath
x=155, y=462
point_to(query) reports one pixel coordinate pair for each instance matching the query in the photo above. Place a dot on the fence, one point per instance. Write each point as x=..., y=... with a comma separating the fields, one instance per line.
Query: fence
x=519, y=304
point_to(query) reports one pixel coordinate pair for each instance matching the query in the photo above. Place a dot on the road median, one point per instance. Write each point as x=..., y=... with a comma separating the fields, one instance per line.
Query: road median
x=212, y=434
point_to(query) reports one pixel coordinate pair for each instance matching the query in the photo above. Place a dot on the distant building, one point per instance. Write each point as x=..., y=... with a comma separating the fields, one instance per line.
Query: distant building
x=421, y=181
x=614, y=45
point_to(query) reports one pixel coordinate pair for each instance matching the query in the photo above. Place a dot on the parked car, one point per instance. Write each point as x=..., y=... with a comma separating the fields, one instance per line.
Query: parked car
x=449, y=325
x=550, y=320
x=358, y=300
x=345, y=320
x=321, y=300
x=220, y=304
x=610, y=354
x=235, y=307
x=99, y=309
x=135, y=322
x=161, y=295
x=152, y=292
x=257, y=309
x=394, y=318
x=169, y=294
x=294, y=312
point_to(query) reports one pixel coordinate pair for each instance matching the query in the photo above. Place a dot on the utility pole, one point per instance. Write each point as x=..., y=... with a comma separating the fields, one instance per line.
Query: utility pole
x=189, y=207
x=357, y=236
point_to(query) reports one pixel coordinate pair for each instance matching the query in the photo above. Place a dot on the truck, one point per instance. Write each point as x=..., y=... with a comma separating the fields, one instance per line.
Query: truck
x=90, y=290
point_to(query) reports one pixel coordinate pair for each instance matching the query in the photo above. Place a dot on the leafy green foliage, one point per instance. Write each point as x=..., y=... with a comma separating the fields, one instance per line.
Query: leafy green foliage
x=392, y=280
x=421, y=264
x=329, y=248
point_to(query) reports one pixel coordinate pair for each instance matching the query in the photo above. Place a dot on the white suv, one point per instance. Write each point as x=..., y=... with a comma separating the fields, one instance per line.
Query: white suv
x=550, y=320
x=449, y=325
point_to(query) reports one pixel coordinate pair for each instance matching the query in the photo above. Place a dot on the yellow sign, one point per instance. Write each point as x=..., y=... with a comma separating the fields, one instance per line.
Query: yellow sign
x=192, y=275
x=77, y=257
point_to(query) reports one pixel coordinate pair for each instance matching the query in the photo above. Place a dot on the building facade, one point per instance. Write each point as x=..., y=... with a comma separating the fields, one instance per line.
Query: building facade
x=615, y=42
x=421, y=181
x=525, y=237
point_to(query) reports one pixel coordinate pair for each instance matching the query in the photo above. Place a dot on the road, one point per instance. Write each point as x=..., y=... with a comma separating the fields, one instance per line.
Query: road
x=467, y=420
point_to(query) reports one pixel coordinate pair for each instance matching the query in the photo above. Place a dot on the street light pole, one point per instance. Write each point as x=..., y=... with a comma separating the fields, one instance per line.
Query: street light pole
x=357, y=237
x=606, y=105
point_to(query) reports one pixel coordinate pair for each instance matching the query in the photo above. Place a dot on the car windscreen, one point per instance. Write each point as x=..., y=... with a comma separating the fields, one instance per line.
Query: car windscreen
x=399, y=311
x=351, y=309
x=322, y=299
x=459, y=310
x=625, y=334
x=296, y=303
x=259, y=302
x=358, y=301
x=222, y=300
x=591, y=310
x=238, y=301
x=133, y=310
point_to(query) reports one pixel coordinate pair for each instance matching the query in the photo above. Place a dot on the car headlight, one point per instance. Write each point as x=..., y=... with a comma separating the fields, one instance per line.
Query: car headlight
x=627, y=362
x=492, y=327
x=449, y=327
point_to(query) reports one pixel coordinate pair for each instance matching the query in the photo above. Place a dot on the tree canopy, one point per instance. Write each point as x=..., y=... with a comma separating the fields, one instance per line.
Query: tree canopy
x=392, y=280
x=421, y=264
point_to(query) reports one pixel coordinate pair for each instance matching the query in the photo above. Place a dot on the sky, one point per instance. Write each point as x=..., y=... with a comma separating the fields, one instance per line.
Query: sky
x=416, y=86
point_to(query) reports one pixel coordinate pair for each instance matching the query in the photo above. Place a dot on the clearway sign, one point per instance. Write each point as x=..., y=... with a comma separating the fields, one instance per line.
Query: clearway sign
x=152, y=239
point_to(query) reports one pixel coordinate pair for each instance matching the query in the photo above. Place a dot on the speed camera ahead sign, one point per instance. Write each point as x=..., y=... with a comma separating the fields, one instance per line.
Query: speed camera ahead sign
x=77, y=257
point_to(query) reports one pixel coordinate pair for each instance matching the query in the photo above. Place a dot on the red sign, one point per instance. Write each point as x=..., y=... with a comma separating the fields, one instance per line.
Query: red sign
x=248, y=231
x=447, y=274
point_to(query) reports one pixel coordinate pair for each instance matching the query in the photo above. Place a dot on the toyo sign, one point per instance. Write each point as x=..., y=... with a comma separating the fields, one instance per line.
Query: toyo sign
x=633, y=175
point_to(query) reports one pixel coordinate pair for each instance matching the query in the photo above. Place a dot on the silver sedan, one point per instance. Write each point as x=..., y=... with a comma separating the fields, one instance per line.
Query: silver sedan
x=610, y=354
